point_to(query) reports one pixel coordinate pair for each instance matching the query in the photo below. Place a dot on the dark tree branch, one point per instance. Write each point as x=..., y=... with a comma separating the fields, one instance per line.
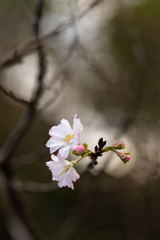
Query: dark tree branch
x=33, y=186
x=24, y=123
x=17, y=55
x=101, y=73
x=76, y=217
x=13, y=97
x=28, y=159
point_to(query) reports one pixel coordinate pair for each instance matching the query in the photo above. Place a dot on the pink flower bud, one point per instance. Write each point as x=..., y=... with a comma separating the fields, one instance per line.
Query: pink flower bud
x=123, y=156
x=127, y=158
x=80, y=149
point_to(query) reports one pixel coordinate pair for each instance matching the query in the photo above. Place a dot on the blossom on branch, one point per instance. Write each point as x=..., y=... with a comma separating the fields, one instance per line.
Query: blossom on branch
x=63, y=137
x=62, y=171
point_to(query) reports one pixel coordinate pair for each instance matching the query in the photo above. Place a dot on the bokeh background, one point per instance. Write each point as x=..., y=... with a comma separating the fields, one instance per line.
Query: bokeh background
x=104, y=65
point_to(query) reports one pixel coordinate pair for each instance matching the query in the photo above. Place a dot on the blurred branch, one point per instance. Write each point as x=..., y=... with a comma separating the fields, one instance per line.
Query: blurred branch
x=15, y=216
x=13, y=97
x=24, y=123
x=76, y=217
x=62, y=75
x=28, y=159
x=28, y=11
x=55, y=88
x=33, y=186
x=17, y=55
x=14, y=139
x=100, y=72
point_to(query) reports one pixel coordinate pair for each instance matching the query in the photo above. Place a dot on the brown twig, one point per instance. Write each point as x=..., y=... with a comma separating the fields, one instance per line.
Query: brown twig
x=24, y=123
x=13, y=97
x=28, y=159
x=75, y=218
x=101, y=73
x=34, y=187
x=17, y=55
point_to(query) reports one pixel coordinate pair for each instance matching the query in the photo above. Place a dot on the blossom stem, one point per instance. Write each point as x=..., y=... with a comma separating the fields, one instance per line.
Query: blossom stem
x=76, y=161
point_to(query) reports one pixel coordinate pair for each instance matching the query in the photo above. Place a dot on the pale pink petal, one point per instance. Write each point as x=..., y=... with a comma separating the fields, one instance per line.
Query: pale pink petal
x=56, y=174
x=75, y=142
x=77, y=125
x=54, y=166
x=61, y=176
x=57, y=133
x=64, y=151
x=65, y=126
x=54, y=158
x=54, y=144
x=72, y=174
x=62, y=160
x=69, y=178
x=70, y=183
x=49, y=164
x=54, y=178
x=75, y=175
x=62, y=182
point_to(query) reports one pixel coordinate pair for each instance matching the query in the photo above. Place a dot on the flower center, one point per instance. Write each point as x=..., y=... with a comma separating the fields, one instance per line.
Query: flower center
x=68, y=137
x=66, y=168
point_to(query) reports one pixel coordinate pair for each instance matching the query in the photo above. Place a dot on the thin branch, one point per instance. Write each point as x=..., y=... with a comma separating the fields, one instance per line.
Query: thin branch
x=100, y=72
x=13, y=97
x=62, y=75
x=28, y=11
x=17, y=55
x=33, y=186
x=14, y=213
x=76, y=217
x=24, y=123
x=14, y=139
x=28, y=159
x=55, y=88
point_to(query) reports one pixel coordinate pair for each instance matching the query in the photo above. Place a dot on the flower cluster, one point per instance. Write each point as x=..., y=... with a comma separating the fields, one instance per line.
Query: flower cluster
x=64, y=138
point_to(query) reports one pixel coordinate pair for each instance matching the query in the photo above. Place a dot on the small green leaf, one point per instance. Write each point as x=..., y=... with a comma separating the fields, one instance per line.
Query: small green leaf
x=75, y=153
x=85, y=146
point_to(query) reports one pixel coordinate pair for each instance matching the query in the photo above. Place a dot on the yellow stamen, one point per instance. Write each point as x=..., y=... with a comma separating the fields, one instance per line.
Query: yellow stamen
x=66, y=169
x=68, y=137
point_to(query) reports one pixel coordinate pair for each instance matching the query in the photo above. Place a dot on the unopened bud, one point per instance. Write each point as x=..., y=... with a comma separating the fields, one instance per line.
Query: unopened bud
x=123, y=156
x=80, y=149
x=120, y=145
x=127, y=158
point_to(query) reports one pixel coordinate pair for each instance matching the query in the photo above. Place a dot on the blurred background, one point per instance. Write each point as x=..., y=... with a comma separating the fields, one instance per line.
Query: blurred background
x=102, y=62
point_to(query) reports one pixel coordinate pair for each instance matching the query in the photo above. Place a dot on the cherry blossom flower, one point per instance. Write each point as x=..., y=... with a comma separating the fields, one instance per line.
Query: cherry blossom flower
x=63, y=137
x=62, y=171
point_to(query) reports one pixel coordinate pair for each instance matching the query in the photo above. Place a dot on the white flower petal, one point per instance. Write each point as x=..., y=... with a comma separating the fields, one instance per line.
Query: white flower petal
x=65, y=126
x=74, y=175
x=70, y=183
x=57, y=173
x=49, y=164
x=77, y=125
x=54, y=158
x=62, y=183
x=75, y=142
x=54, y=144
x=62, y=160
x=55, y=166
x=64, y=151
x=57, y=133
